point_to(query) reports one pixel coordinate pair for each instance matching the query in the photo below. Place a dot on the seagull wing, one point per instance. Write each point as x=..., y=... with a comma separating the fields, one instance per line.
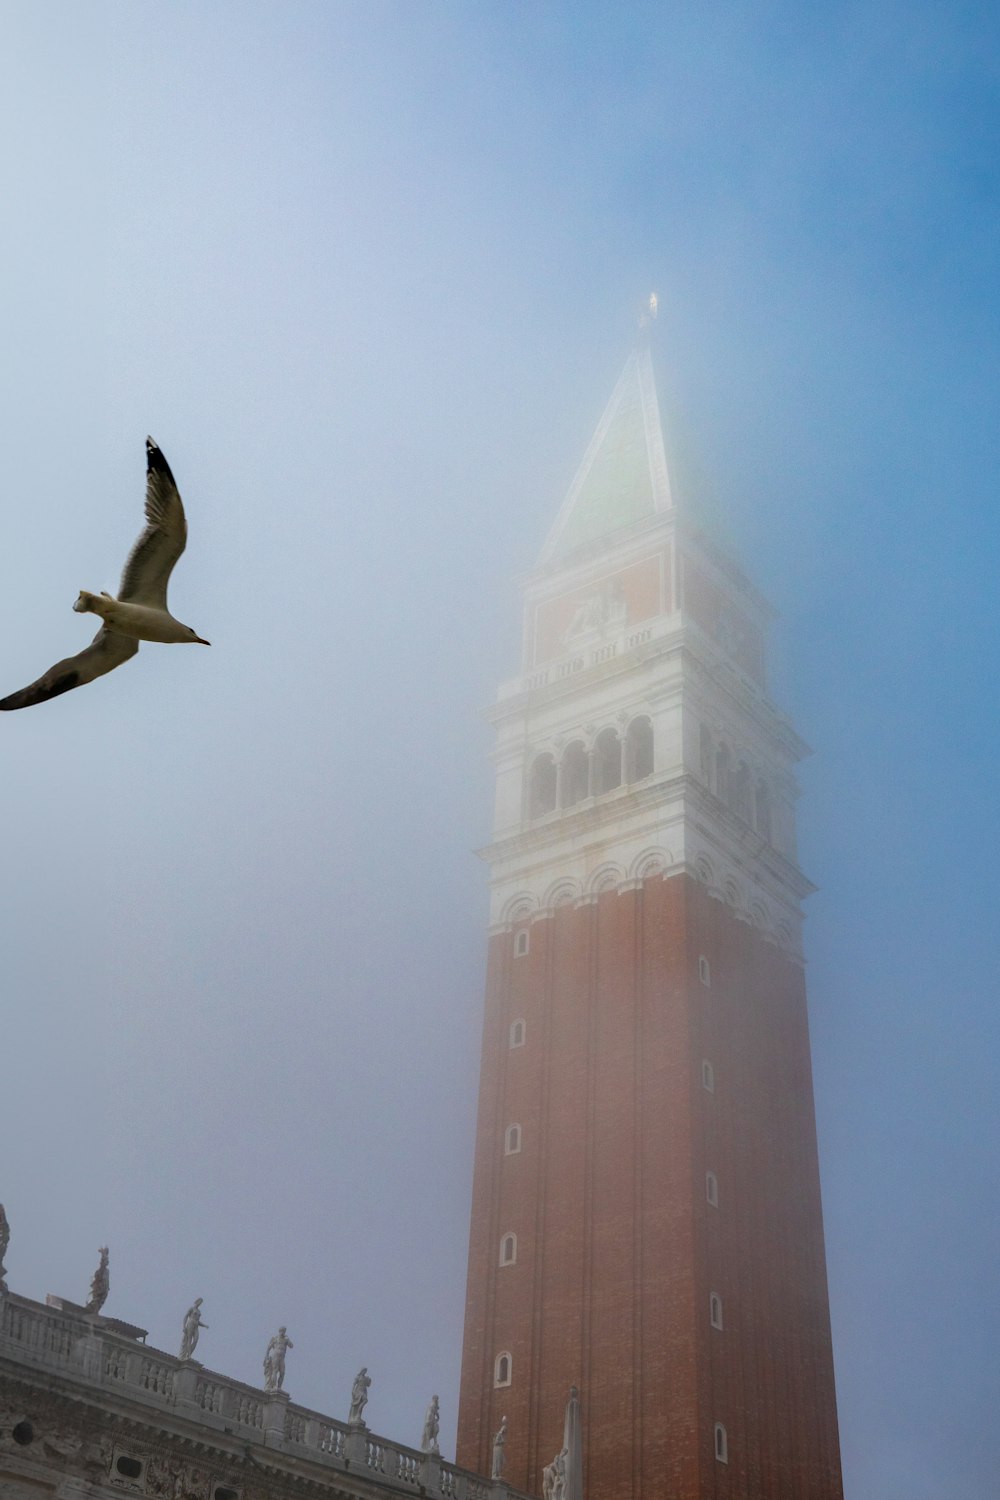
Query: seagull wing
x=151, y=561
x=106, y=651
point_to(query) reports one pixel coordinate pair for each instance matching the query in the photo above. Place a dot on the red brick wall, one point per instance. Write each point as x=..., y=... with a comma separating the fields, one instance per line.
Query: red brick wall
x=618, y=1250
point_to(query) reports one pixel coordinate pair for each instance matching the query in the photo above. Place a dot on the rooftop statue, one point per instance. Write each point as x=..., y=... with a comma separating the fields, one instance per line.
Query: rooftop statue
x=498, y=1455
x=4, y=1242
x=432, y=1424
x=274, y=1360
x=192, y=1327
x=359, y=1395
x=100, y=1284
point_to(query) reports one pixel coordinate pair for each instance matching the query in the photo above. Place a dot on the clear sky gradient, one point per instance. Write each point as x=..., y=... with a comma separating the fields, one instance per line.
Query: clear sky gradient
x=368, y=273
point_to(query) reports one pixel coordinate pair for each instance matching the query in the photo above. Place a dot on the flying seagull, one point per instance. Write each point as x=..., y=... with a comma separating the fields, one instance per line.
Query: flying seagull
x=140, y=612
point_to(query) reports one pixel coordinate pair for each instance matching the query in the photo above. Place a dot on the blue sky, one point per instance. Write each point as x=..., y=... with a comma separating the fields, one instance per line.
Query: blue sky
x=368, y=274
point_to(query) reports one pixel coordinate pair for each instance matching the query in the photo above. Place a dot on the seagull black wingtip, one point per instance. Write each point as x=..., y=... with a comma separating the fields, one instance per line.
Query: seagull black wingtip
x=156, y=463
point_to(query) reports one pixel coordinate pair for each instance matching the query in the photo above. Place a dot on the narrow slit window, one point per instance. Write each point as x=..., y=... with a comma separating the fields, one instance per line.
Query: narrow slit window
x=516, y=1037
x=512, y=1140
x=508, y=1250
x=715, y=1310
x=502, y=1369
x=522, y=943
x=704, y=972
x=721, y=1444
x=712, y=1189
x=708, y=1077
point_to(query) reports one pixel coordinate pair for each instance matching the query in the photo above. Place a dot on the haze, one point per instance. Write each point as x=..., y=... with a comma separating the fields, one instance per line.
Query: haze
x=368, y=273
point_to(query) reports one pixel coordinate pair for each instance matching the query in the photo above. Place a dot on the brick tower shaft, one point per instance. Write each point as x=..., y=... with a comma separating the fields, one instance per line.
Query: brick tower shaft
x=646, y=1218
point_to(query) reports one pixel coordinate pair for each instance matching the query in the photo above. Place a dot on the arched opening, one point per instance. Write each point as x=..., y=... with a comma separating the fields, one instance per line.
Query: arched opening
x=723, y=761
x=575, y=775
x=542, y=786
x=517, y=1033
x=708, y=1077
x=739, y=791
x=508, y=1250
x=512, y=1140
x=715, y=1310
x=721, y=1444
x=522, y=943
x=607, y=762
x=762, y=810
x=639, y=749
x=502, y=1369
x=712, y=1189
x=705, y=755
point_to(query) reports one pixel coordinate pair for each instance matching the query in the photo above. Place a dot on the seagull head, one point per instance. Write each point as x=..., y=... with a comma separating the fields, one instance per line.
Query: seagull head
x=193, y=636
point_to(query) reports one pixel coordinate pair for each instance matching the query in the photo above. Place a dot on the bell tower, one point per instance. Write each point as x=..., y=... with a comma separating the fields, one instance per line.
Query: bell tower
x=646, y=1219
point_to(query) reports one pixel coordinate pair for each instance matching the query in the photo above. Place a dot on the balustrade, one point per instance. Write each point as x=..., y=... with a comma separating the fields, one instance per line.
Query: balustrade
x=85, y=1352
x=331, y=1440
x=249, y=1412
x=208, y=1395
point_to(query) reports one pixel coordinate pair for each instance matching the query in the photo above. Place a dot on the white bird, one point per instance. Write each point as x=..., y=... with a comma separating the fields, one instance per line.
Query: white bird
x=140, y=612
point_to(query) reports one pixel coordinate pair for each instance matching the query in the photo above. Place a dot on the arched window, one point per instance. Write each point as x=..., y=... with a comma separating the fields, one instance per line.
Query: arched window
x=575, y=775
x=704, y=973
x=762, y=810
x=522, y=943
x=542, y=786
x=516, y=1034
x=607, y=762
x=705, y=756
x=508, y=1249
x=712, y=1189
x=501, y=1369
x=739, y=791
x=715, y=1310
x=512, y=1140
x=639, y=750
x=721, y=1444
x=708, y=1076
x=723, y=762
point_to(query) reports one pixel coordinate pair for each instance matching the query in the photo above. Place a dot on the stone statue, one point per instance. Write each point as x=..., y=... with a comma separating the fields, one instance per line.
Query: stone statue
x=432, y=1424
x=359, y=1396
x=100, y=1284
x=572, y=1449
x=498, y=1442
x=274, y=1360
x=562, y=1479
x=4, y=1242
x=554, y=1478
x=192, y=1327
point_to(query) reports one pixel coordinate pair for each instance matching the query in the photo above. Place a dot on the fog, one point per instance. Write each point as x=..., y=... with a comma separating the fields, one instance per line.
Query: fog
x=368, y=273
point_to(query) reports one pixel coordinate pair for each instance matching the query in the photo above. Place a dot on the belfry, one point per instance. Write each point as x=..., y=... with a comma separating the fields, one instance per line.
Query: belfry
x=646, y=1221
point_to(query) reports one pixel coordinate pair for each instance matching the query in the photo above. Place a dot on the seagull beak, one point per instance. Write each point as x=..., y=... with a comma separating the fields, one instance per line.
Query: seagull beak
x=201, y=642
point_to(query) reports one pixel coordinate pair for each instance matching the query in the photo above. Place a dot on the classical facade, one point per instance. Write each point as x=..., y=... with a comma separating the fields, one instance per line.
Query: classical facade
x=88, y=1409
x=646, y=1220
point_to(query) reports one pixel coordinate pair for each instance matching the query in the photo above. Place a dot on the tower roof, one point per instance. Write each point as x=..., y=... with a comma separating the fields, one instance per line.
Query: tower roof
x=623, y=477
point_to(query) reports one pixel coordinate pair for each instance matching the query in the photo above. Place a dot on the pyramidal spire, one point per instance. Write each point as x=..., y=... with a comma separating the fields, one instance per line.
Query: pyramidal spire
x=623, y=477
